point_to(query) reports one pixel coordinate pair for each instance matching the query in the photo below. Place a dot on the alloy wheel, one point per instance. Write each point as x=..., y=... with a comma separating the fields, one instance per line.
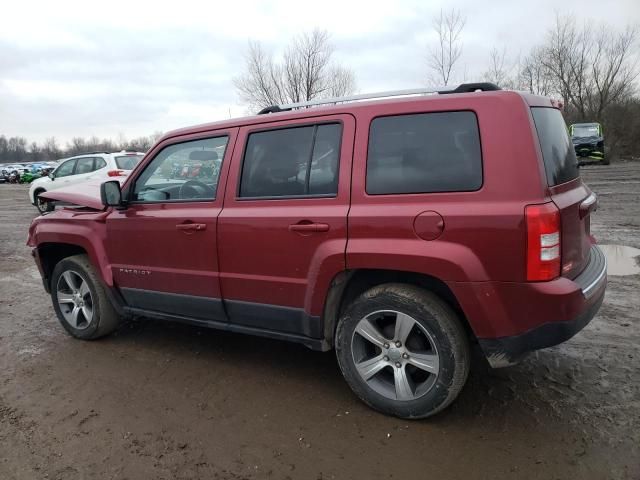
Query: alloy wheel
x=395, y=355
x=75, y=300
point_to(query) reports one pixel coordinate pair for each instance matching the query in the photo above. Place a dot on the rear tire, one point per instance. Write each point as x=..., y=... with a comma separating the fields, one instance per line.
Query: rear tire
x=80, y=300
x=403, y=351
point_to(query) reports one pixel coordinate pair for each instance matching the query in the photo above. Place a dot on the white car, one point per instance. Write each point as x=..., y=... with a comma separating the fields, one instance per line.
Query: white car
x=80, y=168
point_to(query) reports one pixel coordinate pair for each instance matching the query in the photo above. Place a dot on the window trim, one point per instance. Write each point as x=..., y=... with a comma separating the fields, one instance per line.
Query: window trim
x=445, y=192
x=131, y=186
x=288, y=126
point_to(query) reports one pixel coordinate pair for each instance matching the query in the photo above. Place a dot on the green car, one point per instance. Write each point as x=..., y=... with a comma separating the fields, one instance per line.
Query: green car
x=588, y=140
x=28, y=177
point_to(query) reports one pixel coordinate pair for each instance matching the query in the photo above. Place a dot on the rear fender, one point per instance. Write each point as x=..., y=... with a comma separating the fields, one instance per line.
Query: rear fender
x=443, y=260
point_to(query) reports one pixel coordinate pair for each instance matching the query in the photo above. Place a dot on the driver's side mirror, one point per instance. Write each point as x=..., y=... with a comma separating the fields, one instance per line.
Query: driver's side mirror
x=110, y=194
x=52, y=176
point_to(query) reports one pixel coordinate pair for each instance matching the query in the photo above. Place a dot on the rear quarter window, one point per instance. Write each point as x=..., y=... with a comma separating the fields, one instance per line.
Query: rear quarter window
x=128, y=162
x=424, y=153
x=558, y=154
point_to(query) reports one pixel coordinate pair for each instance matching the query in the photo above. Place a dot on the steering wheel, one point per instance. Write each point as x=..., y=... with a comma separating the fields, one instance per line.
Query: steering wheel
x=194, y=189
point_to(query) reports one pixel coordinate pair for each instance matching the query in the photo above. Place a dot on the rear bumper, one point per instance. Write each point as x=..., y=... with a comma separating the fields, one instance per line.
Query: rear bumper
x=513, y=319
x=505, y=351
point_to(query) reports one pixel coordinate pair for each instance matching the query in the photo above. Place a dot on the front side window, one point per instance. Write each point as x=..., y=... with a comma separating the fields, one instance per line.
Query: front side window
x=65, y=169
x=299, y=161
x=424, y=153
x=183, y=171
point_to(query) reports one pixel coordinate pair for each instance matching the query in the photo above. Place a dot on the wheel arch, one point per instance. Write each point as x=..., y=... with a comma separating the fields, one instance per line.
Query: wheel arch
x=51, y=254
x=36, y=191
x=346, y=286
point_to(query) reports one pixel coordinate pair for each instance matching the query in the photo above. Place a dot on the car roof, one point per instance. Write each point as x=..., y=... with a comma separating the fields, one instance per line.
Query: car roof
x=354, y=106
x=93, y=154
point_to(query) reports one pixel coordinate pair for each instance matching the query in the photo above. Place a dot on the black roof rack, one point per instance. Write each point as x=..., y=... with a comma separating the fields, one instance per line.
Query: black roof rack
x=463, y=88
x=90, y=153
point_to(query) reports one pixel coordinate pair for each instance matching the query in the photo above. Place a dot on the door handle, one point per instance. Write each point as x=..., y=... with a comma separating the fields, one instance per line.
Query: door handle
x=191, y=227
x=309, y=227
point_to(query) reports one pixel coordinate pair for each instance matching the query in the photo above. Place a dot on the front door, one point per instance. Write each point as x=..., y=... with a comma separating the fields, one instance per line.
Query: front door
x=283, y=230
x=163, y=246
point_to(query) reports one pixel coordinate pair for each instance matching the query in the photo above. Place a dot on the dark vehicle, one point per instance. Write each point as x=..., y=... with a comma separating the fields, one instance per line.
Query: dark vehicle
x=588, y=141
x=396, y=231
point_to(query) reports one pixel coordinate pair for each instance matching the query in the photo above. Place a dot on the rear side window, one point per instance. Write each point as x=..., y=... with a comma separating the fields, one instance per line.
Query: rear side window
x=300, y=161
x=558, y=153
x=423, y=153
x=84, y=165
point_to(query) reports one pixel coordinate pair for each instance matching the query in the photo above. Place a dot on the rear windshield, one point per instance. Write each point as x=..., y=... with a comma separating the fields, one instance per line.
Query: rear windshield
x=558, y=153
x=128, y=162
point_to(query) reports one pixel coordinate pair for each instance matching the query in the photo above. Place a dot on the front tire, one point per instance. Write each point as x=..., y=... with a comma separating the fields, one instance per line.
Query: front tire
x=403, y=351
x=41, y=204
x=80, y=300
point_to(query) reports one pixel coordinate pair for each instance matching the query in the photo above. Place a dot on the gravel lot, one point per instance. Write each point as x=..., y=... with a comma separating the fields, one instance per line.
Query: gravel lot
x=164, y=401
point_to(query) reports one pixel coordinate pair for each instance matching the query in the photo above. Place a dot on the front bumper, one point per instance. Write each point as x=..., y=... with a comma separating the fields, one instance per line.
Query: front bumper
x=587, y=150
x=513, y=319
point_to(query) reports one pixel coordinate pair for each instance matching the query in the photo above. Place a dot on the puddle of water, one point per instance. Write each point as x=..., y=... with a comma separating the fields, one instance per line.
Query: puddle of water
x=621, y=260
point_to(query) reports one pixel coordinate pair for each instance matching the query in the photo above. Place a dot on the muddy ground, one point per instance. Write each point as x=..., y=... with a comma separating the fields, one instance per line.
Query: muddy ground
x=161, y=400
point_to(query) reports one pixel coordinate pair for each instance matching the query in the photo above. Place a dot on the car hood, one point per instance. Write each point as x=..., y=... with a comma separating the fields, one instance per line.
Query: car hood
x=84, y=195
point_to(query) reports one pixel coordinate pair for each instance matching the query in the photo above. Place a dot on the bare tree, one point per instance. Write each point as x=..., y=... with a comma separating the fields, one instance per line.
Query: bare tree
x=592, y=67
x=343, y=81
x=500, y=71
x=443, y=57
x=533, y=76
x=51, y=149
x=305, y=72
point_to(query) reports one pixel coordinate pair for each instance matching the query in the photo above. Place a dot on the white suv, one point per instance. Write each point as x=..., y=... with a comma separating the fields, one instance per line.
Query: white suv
x=81, y=168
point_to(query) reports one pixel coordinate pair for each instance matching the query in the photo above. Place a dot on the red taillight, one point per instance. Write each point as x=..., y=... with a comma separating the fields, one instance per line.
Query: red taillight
x=116, y=173
x=543, y=242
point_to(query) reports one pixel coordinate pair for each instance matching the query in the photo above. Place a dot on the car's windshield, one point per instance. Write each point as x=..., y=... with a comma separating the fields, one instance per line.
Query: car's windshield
x=128, y=162
x=585, y=131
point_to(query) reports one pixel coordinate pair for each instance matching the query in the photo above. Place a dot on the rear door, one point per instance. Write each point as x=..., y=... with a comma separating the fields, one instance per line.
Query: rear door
x=282, y=234
x=572, y=197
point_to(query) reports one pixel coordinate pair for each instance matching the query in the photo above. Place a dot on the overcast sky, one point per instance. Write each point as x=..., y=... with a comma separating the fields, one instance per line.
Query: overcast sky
x=82, y=68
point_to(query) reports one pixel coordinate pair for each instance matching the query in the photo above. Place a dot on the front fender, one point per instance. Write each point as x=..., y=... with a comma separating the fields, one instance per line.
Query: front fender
x=85, y=230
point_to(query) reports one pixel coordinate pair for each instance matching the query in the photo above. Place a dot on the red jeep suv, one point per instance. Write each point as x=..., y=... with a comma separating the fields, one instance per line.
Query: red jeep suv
x=397, y=229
